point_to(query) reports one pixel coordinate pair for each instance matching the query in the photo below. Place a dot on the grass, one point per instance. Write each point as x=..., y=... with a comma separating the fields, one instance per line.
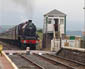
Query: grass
x=40, y=35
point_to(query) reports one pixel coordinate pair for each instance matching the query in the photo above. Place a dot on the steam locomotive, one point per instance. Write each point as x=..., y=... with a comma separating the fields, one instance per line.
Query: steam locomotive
x=24, y=34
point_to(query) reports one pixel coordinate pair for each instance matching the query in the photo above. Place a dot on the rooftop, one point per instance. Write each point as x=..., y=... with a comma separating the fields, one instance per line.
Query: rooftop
x=55, y=13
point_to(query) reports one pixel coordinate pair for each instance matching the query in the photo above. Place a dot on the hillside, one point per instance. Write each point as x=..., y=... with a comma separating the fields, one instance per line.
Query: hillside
x=5, y=27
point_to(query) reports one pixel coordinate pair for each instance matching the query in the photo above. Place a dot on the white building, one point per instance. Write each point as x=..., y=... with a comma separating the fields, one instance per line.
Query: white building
x=54, y=23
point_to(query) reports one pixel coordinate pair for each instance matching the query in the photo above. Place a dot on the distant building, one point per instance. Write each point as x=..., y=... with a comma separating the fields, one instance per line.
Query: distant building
x=54, y=21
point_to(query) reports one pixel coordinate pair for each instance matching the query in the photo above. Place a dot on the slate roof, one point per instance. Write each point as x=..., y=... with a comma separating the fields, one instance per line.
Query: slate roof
x=55, y=13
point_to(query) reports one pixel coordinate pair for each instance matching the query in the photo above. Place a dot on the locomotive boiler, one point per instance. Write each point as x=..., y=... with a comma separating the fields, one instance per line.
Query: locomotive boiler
x=24, y=34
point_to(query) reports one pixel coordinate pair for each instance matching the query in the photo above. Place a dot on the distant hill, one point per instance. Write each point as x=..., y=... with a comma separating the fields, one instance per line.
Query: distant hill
x=74, y=33
x=5, y=27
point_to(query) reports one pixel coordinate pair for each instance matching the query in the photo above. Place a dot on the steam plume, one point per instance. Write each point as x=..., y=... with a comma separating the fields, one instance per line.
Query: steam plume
x=27, y=7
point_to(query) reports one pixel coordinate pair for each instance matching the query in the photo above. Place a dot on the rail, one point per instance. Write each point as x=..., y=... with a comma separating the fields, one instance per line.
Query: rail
x=33, y=63
x=53, y=61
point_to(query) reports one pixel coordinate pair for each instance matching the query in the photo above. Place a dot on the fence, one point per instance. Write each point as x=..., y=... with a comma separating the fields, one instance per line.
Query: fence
x=67, y=41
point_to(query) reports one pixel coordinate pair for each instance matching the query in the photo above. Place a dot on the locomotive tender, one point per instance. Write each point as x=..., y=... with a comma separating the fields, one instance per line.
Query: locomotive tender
x=24, y=34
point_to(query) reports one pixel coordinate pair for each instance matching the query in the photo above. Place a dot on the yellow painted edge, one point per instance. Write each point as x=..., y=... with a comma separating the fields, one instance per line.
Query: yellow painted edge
x=12, y=63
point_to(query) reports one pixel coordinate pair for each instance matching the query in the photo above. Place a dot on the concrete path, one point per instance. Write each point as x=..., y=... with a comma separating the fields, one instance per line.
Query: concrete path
x=4, y=64
x=1, y=65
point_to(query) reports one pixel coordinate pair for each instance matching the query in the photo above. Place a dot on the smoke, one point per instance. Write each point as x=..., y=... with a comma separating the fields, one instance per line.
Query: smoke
x=27, y=7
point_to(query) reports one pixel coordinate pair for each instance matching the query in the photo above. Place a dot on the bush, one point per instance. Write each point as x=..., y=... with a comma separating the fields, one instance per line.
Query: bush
x=40, y=30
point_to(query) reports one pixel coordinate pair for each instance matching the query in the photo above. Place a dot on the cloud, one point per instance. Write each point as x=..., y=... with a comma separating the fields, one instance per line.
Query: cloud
x=9, y=6
x=27, y=5
x=37, y=8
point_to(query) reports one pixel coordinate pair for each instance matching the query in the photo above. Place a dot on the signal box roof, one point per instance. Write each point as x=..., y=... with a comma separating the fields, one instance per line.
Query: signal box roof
x=55, y=13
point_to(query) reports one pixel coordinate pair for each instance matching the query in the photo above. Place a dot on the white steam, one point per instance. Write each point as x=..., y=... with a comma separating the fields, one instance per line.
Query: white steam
x=27, y=7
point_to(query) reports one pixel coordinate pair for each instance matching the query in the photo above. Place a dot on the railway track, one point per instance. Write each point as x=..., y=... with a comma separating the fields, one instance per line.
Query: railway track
x=23, y=63
x=56, y=59
x=36, y=62
x=51, y=60
x=8, y=46
x=45, y=64
x=33, y=63
x=76, y=62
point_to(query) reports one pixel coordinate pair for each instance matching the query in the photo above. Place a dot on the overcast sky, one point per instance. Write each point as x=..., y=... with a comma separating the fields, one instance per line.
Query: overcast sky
x=12, y=12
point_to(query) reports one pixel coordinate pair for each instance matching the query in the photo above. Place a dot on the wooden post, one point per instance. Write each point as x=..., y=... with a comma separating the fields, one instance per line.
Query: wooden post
x=46, y=29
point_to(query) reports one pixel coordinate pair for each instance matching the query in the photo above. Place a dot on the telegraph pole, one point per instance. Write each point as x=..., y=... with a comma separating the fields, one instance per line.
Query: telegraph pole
x=83, y=43
x=84, y=21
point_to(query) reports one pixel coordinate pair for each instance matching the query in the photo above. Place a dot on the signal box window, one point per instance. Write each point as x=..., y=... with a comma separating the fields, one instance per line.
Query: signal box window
x=56, y=24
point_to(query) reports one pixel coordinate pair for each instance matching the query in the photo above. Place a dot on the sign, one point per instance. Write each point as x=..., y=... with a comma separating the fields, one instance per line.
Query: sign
x=83, y=33
x=72, y=37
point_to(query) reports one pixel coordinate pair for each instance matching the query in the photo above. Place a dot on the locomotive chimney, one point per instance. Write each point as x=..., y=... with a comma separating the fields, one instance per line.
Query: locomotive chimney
x=30, y=21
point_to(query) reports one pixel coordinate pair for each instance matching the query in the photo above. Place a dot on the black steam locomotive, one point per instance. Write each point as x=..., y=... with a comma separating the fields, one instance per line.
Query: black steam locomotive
x=24, y=34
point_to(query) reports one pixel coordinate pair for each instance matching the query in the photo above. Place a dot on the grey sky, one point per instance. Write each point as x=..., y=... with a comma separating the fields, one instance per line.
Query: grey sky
x=13, y=12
